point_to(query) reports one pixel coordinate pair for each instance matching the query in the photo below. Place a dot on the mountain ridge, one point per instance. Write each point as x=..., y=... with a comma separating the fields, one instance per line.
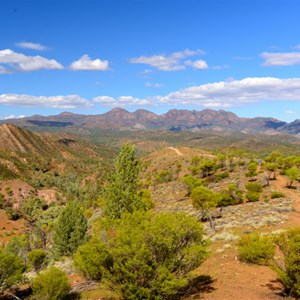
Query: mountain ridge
x=175, y=119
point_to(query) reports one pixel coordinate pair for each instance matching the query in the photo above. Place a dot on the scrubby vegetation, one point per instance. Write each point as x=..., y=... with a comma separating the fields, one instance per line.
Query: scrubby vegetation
x=256, y=249
x=289, y=269
x=139, y=223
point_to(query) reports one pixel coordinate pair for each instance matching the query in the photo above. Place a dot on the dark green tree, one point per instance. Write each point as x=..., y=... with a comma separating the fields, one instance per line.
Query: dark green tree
x=70, y=229
x=121, y=193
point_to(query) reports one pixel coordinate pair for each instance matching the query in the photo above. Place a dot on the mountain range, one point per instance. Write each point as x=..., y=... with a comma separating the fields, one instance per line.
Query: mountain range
x=174, y=120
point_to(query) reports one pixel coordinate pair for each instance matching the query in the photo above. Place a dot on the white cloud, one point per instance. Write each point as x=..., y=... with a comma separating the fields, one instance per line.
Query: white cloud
x=33, y=46
x=197, y=64
x=155, y=85
x=65, y=102
x=290, y=112
x=236, y=92
x=297, y=46
x=21, y=62
x=86, y=64
x=223, y=94
x=281, y=58
x=163, y=62
x=123, y=101
x=14, y=117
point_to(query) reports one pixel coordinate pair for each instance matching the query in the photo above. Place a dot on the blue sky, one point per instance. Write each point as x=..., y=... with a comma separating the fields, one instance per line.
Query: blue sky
x=90, y=56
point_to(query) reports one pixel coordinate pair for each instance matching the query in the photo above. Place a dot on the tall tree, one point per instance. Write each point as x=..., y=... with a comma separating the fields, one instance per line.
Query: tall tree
x=70, y=229
x=121, y=193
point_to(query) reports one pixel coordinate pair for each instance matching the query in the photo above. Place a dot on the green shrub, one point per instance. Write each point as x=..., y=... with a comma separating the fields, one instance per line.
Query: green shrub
x=289, y=270
x=277, y=194
x=254, y=187
x=19, y=245
x=256, y=249
x=37, y=258
x=11, y=270
x=51, y=284
x=252, y=196
x=91, y=257
x=191, y=182
x=148, y=256
x=231, y=196
x=220, y=176
x=164, y=176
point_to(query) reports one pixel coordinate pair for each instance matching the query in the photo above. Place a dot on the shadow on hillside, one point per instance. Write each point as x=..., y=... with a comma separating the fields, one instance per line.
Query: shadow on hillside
x=198, y=285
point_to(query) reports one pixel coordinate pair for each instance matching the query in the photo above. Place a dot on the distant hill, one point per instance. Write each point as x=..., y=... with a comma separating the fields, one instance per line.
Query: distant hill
x=174, y=120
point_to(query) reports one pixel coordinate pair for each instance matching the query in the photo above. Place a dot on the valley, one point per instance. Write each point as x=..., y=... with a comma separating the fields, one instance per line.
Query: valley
x=43, y=171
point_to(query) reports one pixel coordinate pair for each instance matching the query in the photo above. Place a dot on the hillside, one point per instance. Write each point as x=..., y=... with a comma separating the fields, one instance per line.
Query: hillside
x=174, y=120
x=14, y=138
x=42, y=172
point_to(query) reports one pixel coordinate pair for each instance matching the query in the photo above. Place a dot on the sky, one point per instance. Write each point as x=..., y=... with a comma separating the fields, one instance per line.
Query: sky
x=88, y=57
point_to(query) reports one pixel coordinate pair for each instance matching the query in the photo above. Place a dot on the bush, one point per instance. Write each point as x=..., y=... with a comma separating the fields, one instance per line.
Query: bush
x=147, y=256
x=277, y=194
x=220, y=176
x=91, y=257
x=37, y=258
x=164, y=176
x=254, y=187
x=51, y=284
x=256, y=249
x=11, y=270
x=252, y=196
x=231, y=196
x=191, y=182
x=289, y=270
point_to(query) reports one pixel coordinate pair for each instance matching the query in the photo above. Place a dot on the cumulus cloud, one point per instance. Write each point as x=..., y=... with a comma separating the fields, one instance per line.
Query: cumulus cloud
x=33, y=46
x=18, y=61
x=86, y=64
x=197, y=64
x=236, y=92
x=281, y=58
x=223, y=94
x=123, y=101
x=163, y=62
x=65, y=102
